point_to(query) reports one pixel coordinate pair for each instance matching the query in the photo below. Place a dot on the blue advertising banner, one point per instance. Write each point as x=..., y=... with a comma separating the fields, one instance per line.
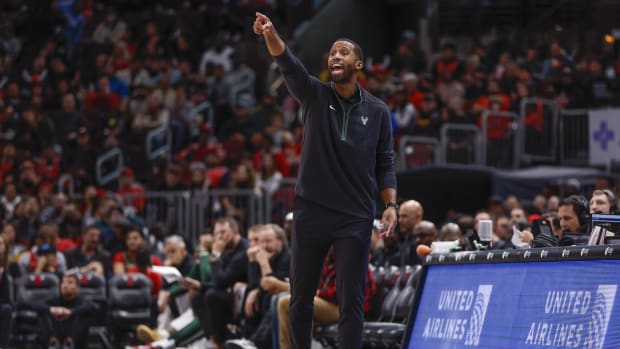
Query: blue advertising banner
x=567, y=304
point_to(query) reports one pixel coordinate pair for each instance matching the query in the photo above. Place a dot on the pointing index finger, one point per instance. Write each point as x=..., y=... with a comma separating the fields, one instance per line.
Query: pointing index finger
x=261, y=17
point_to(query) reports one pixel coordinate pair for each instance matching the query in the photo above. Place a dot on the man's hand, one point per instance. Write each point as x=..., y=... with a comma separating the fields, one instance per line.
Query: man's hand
x=218, y=246
x=262, y=24
x=190, y=284
x=263, y=256
x=388, y=221
x=60, y=313
x=251, y=252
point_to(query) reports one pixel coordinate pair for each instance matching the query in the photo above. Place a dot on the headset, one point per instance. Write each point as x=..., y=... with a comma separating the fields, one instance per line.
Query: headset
x=581, y=208
x=613, y=202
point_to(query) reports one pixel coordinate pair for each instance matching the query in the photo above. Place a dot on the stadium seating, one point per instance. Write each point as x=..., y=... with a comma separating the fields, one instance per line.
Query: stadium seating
x=93, y=287
x=395, y=294
x=31, y=288
x=129, y=303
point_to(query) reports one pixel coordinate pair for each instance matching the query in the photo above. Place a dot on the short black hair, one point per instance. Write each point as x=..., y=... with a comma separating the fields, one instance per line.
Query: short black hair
x=357, y=49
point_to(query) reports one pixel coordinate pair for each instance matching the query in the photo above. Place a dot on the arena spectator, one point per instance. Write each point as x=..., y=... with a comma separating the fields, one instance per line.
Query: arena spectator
x=603, y=202
x=9, y=201
x=14, y=247
x=90, y=256
x=8, y=166
x=502, y=234
x=452, y=232
x=229, y=265
x=268, y=176
x=132, y=189
x=268, y=272
x=573, y=212
x=63, y=316
x=6, y=306
x=126, y=261
x=28, y=221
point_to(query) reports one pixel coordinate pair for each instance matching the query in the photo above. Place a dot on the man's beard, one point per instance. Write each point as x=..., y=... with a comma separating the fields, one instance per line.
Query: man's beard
x=346, y=76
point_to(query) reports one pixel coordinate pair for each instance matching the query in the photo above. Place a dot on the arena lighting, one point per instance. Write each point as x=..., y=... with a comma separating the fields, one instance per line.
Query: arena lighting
x=609, y=39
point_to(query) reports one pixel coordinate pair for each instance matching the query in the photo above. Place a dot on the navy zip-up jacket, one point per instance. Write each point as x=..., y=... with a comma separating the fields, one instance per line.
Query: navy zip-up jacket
x=347, y=153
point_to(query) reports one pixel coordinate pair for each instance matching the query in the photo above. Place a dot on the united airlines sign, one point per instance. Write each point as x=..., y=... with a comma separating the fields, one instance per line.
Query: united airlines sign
x=532, y=305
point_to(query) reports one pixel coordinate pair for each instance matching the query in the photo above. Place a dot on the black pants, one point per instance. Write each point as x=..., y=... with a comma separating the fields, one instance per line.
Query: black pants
x=75, y=327
x=6, y=324
x=199, y=306
x=315, y=229
x=218, y=312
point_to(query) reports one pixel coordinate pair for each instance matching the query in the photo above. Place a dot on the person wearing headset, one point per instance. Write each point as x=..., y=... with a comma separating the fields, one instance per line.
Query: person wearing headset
x=603, y=201
x=574, y=216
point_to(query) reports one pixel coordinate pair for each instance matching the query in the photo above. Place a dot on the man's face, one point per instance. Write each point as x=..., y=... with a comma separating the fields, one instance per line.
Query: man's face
x=423, y=236
x=568, y=218
x=253, y=237
x=126, y=181
x=91, y=238
x=408, y=217
x=175, y=254
x=69, y=287
x=502, y=229
x=223, y=232
x=343, y=63
x=269, y=242
x=600, y=204
x=134, y=241
x=517, y=215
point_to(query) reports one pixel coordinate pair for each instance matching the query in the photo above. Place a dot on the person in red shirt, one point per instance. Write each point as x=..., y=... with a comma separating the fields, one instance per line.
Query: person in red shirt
x=103, y=98
x=131, y=189
x=204, y=145
x=7, y=161
x=126, y=261
x=48, y=165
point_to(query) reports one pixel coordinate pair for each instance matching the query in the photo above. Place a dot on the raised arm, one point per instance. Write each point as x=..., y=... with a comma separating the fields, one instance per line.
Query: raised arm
x=264, y=27
x=298, y=81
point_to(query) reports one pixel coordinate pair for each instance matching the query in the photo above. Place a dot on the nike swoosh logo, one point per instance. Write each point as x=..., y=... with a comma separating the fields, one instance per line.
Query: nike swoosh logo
x=332, y=107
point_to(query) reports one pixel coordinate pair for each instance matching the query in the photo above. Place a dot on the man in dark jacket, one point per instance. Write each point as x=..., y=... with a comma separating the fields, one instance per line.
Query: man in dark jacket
x=62, y=317
x=229, y=265
x=346, y=158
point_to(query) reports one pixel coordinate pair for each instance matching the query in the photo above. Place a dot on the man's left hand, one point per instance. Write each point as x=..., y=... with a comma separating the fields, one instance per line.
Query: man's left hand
x=388, y=221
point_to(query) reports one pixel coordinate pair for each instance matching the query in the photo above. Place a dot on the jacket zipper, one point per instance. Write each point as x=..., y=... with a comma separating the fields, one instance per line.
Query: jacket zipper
x=345, y=118
x=345, y=115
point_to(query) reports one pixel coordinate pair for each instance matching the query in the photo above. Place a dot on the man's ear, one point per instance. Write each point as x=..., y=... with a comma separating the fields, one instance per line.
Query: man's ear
x=359, y=64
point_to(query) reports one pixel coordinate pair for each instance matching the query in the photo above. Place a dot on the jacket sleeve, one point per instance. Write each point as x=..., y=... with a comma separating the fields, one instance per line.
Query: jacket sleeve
x=83, y=306
x=385, y=172
x=225, y=277
x=254, y=275
x=298, y=81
